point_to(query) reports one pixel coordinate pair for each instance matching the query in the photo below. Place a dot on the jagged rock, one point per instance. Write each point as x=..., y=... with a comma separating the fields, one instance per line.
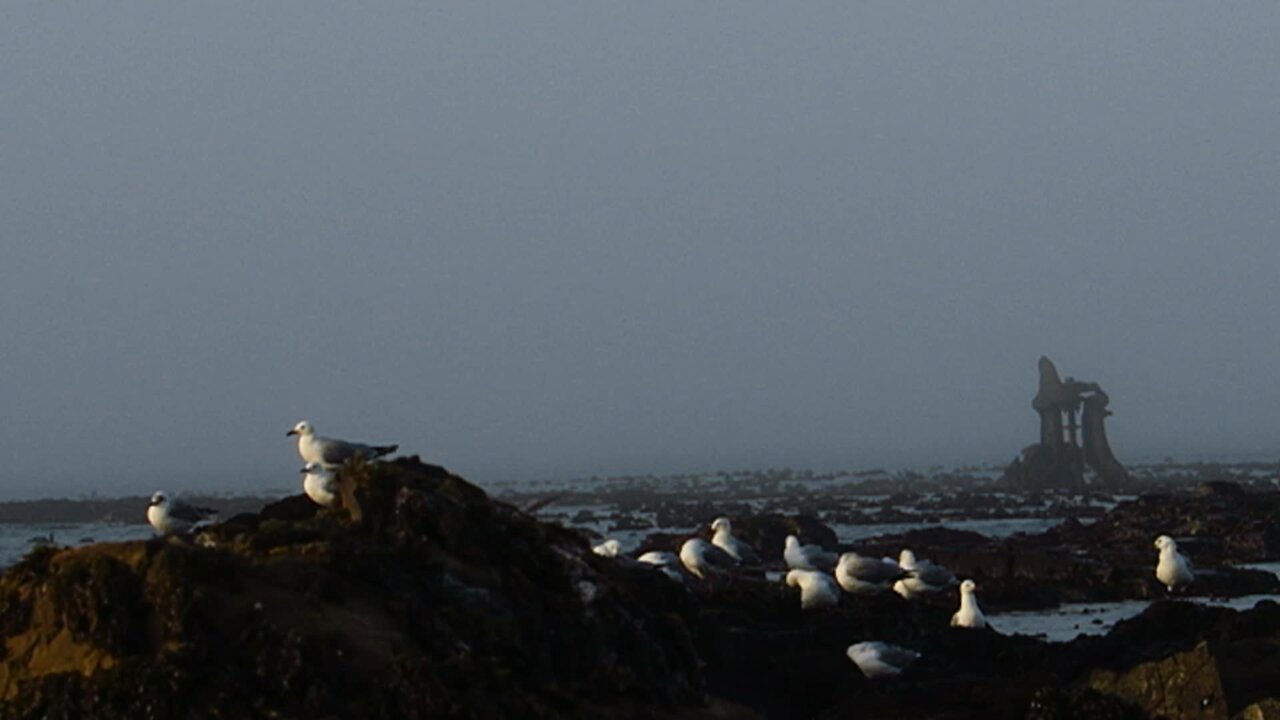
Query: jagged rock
x=1185, y=685
x=1268, y=709
x=429, y=600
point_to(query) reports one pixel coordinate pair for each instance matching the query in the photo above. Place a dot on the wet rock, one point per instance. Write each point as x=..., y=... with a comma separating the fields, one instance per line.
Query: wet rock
x=421, y=598
x=1184, y=685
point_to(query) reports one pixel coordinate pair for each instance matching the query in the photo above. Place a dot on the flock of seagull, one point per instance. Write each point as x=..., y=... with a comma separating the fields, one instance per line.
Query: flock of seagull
x=818, y=573
x=321, y=456
x=821, y=574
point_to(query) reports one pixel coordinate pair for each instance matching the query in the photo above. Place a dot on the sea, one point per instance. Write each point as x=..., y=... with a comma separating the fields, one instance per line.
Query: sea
x=18, y=539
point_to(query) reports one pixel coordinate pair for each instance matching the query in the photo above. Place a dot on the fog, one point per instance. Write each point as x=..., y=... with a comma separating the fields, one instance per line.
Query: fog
x=534, y=240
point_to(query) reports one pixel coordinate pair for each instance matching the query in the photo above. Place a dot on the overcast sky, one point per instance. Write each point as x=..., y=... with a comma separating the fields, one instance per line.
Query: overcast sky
x=531, y=240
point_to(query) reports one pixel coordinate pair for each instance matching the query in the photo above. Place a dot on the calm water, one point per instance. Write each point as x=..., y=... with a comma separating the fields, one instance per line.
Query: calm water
x=16, y=540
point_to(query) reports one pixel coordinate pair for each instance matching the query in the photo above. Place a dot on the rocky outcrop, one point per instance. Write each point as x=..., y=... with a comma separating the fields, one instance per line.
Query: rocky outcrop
x=420, y=597
x=423, y=599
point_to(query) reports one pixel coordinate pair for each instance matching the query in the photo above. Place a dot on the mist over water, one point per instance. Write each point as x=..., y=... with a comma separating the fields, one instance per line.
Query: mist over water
x=561, y=241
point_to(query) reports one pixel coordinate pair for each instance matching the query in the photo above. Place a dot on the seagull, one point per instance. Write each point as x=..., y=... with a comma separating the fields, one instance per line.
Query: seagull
x=331, y=453
x=969, y=615
x=922, y=576
x=807, y=557
x=608, y=548
x=172, y=516
x=723, y=538
x=816, y=588
x=704, y=559
x=320, y=484
x=667, y=562
x=1173, y=570
x=865, y=576
x=878, y=659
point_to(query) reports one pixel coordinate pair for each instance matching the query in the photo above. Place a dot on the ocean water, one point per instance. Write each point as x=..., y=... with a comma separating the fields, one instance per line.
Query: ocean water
x=16, y=540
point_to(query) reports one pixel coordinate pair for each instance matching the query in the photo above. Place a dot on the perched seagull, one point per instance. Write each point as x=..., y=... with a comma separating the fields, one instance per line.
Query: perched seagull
x=922, y=576
x=667, y=562
x=878, y=659
x=331, y=453
x=608, y=548
x=171, y=516
x=969, y=615
x=723, y=538
x=1173, y=570
x=866, y=576
x=320, y=484
x=807, y=557
x=816, y=588
x=704, y=559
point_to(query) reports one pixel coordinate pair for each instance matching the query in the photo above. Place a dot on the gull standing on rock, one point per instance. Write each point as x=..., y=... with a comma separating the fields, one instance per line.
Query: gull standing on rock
x=331, y=453
x=704, y=559
x=1173, y=570
x=878, y=659
x=807, y=557
x=320, y=484
x=723, y=538
x=173, y=516
x=866, y=576
x=969, y=615
x=816, y=588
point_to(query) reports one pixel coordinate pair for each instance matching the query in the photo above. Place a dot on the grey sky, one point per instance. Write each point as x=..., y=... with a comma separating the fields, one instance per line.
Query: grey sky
x=540, y=239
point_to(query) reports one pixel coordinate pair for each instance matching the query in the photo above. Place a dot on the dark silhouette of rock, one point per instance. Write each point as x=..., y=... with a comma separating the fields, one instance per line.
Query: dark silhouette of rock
x=1073, y=435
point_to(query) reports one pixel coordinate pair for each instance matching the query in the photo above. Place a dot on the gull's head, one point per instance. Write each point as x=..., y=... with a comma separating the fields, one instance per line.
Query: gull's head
x=968, y=586
x=160, y=499
x=794, y=577
x=907, y=559
x=1164, y=541
x=302, y=428
x=858, y=651
x=792, y=541
x=720, y=523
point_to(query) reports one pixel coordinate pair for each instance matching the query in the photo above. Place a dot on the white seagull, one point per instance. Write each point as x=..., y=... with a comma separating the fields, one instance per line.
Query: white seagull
x=922, y=576
x=608, y=548
x=1173, y=570
x=331, y=453
x=667, y=562
x=807, y=557
x=704, y=559
x=320, y=484
x=969, y=615
x=172, y=516
x=866, y=576
x=878, y=659
x=722, y=537
x=817, y=589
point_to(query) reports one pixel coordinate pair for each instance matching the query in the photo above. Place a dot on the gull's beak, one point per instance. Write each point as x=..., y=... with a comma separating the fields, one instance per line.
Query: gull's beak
x=303, y=471
x=291, y=432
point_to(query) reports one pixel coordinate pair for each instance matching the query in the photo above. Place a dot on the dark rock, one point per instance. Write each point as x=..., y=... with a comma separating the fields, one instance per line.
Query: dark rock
x=429, y=601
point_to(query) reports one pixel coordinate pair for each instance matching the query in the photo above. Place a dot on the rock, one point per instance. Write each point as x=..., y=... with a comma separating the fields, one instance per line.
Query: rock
x=1268, y=709
x=426, y=600
x=1184, y=685
x=1052, y=703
